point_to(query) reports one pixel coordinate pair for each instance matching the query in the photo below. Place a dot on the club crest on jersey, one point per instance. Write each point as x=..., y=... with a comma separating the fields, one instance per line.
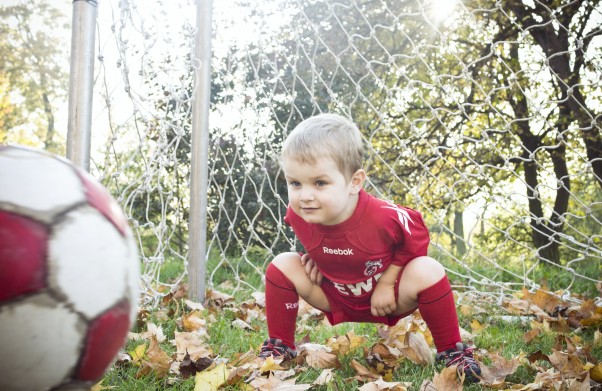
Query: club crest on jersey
x=372, y=267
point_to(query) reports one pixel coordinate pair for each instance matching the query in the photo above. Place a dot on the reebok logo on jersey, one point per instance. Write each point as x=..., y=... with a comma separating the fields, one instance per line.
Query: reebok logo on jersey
x=337, y=251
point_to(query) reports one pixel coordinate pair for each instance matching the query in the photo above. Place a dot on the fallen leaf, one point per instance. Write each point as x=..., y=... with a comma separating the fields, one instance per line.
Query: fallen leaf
x=596, y=373
x=191, y=343
x=325, y=377
x=597, y=339
x=274, y=384
x=569, y=365
x=545, y=300
x=155, y=360
x=448, y=380
x=382, y=361
x=271, y=365
x=189, y=367
x=241, y=324
x=524, y=307
x=137, y=354
x=381, y=385
x=211, y=380
x=322, y=360
x=346, y=343
x=193, y=321
x=194, y=305
x=477, y=327
x=99, y=387
x=363, y=374
x=417, y=349
x=494, y=375
x=531, y=334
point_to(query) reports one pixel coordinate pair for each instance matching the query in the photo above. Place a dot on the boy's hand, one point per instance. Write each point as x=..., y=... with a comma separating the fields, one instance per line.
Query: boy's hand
x=311, y=270
x=383, y=301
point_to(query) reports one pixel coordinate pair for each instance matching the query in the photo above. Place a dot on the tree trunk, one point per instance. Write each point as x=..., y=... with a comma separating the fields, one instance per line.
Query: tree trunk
x=459, y=233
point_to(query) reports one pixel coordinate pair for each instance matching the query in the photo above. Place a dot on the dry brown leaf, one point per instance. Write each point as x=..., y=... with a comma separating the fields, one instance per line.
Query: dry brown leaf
x=239, y=374
x=447, y=380
x=217, y=299
x=156, y=360
x=321, y=360
x=274, y=384
x=153, y=330
x=189, y=367
x=531, y=334
x=548, y=379
x=524, y=307
x=382, y=361
x=193, y=305
x=547, y=301
x=494, y=375
x=417, y=349
x=241, y=324
x=381, y=385
x=325, y=377
x=569, y=365
x=346, y=343
x=363, y=374
x=193, y=321
x=192, y=343
x=579, y=385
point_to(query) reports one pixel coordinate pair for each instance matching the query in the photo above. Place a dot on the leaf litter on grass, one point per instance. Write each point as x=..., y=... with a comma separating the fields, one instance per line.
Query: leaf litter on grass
x=570, y=366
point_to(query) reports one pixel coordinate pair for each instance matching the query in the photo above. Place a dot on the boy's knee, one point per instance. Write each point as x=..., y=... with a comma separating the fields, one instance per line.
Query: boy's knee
x=425, y=267
x=287, y=261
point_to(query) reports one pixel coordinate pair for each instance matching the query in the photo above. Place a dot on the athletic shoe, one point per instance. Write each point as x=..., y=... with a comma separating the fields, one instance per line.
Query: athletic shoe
x=462, y=357
x=275, y=348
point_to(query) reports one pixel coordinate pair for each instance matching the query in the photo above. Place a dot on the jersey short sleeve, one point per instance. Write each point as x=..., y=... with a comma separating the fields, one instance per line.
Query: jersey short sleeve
x=410, y=232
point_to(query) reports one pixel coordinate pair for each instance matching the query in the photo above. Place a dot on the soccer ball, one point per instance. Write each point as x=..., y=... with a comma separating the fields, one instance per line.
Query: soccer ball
x=69, y=274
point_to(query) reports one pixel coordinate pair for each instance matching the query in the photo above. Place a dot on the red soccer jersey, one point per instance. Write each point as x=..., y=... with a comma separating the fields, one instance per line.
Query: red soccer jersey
x=352, y=255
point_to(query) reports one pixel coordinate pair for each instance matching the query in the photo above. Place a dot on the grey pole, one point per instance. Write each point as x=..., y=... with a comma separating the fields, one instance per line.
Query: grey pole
x=197, y=233
x=81, y=81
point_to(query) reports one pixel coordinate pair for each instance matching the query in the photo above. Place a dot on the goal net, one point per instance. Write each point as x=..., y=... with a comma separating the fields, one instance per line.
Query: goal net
x=483, y=115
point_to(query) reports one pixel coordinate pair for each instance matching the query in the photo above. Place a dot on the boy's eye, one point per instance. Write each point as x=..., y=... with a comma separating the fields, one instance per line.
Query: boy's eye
x=294, y=183
x=320, y=183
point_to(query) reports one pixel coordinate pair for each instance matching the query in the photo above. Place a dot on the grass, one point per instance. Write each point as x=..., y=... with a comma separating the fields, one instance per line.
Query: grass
x=228, y=342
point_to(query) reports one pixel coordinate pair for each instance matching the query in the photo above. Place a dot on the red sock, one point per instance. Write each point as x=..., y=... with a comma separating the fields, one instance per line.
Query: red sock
x=437, y=307
x=281, y=306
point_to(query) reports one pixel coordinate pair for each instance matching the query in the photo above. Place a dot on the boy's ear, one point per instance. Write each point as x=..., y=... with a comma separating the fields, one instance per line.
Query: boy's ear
x=357, y=181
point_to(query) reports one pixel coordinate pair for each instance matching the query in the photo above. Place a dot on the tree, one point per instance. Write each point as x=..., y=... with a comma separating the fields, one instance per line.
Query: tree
x=34, y=62
x=454, y=112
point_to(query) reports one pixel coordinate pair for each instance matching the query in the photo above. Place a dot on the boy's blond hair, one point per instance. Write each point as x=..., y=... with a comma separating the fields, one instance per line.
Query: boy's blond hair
x=326, y=135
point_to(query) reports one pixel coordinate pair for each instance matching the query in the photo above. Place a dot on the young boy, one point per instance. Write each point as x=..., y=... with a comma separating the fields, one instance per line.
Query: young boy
x=366, y=258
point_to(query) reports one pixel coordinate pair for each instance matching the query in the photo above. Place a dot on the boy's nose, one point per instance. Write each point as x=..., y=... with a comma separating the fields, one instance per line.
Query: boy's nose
x=307, y=195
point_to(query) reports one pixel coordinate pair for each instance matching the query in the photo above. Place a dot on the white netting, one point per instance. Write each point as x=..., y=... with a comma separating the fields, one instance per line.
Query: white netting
x=483, y=115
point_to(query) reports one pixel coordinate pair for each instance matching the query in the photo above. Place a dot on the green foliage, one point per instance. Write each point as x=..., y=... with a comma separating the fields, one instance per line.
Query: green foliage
x=33, y=71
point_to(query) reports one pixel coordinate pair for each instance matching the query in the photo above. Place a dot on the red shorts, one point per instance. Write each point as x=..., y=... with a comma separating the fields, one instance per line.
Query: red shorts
x=356, y=309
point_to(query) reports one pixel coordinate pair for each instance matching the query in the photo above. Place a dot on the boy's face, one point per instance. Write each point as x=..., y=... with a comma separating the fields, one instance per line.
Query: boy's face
x=319, y=193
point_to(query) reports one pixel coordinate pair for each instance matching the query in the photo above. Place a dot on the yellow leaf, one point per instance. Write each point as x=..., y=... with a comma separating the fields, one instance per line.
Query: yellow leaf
x=211, y=380
x=98, y=387
x=138, y=353
x=596, y=373
x=477, y=327
x=270, y=365
x=597, y=338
